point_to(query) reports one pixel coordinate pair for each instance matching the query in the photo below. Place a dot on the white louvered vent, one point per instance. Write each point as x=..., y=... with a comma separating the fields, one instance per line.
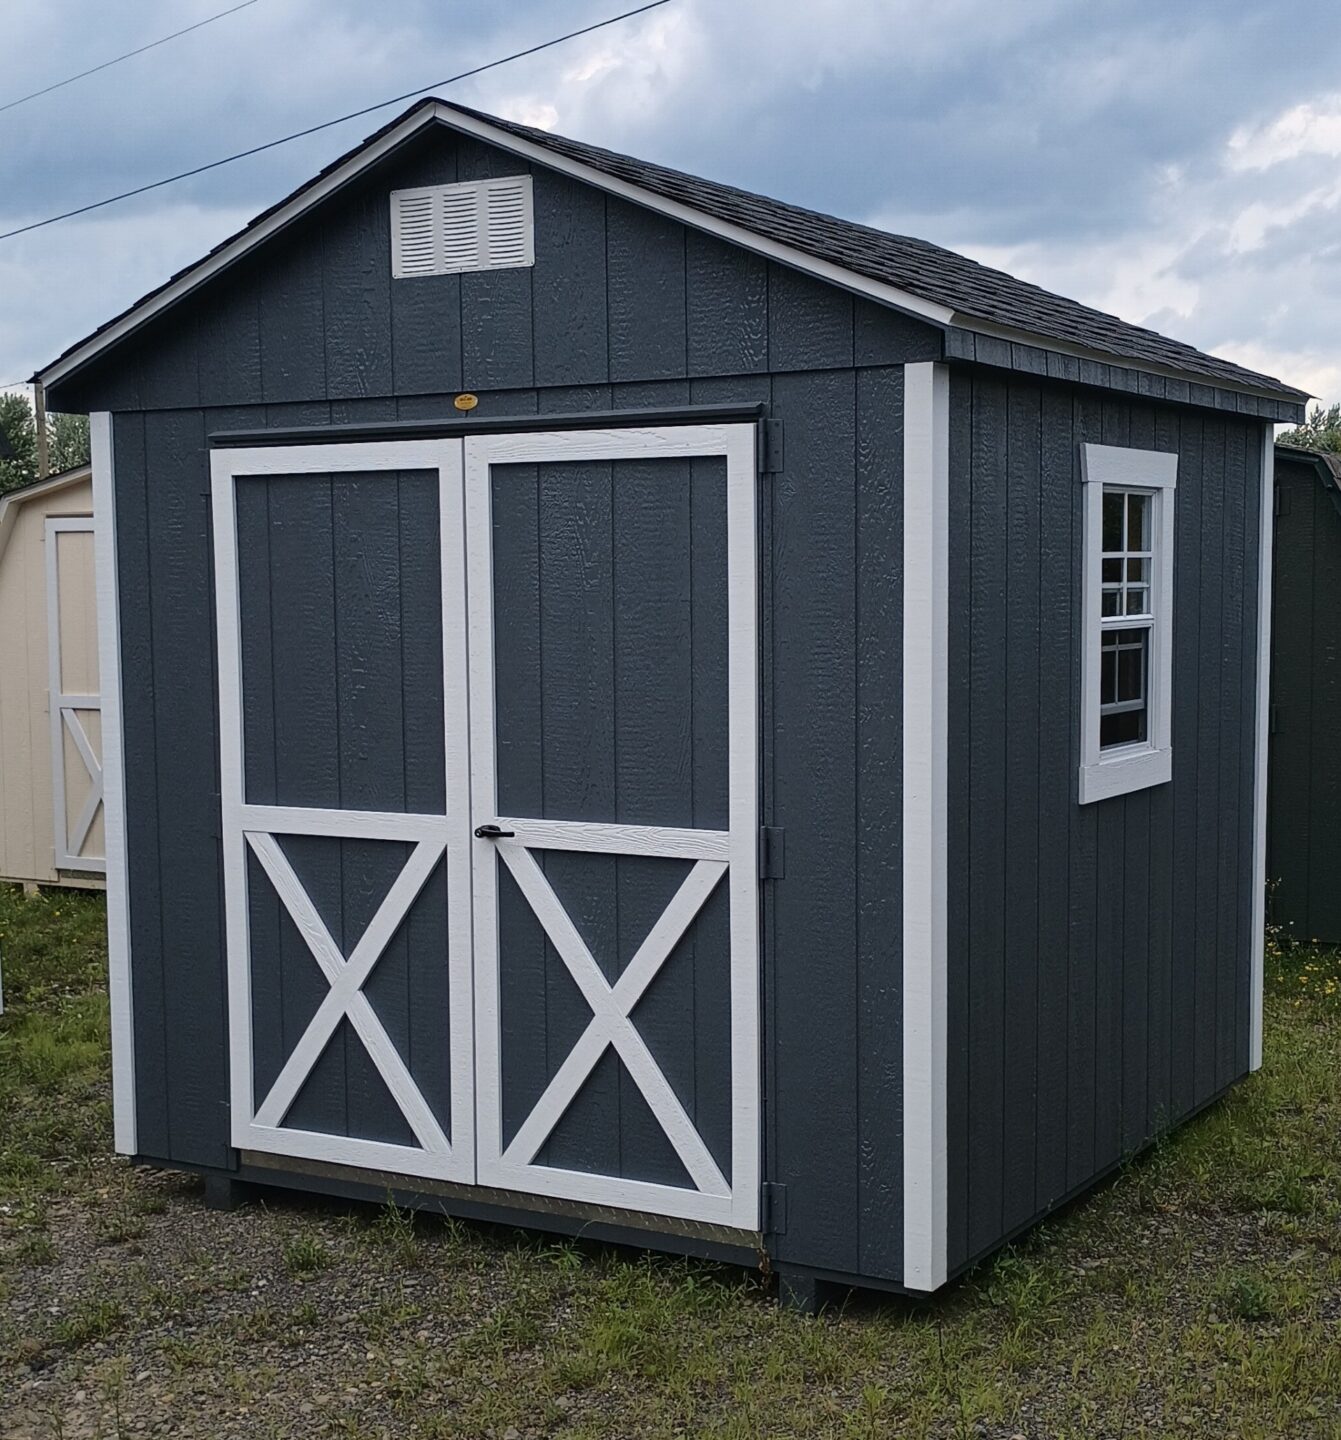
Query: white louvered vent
x=477, y=225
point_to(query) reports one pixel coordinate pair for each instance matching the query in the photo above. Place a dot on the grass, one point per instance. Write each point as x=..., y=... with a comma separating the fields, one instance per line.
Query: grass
x=1199, y=1293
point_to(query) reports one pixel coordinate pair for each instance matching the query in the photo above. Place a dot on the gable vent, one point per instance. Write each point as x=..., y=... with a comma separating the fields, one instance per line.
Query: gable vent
x=477, y=225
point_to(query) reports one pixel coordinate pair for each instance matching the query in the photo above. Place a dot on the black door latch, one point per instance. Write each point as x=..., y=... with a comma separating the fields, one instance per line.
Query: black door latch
x=492, y=832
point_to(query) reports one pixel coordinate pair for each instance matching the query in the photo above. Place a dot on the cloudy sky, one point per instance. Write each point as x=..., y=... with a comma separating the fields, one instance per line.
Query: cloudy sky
x=1179, y=164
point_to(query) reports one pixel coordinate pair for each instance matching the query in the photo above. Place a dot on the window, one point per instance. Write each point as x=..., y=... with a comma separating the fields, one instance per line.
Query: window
x=1127, y=660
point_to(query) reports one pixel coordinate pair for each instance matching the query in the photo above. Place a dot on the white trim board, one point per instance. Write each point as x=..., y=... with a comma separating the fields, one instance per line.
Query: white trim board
x=114, y=784
x=1266, y=541
x=926, y=492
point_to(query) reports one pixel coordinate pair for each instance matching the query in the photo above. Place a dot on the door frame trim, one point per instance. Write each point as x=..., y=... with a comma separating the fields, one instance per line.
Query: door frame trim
x=737, y=444
x=240, y=819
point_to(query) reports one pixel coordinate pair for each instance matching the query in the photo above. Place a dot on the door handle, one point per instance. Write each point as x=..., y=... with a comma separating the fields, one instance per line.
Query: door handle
x=492, y=832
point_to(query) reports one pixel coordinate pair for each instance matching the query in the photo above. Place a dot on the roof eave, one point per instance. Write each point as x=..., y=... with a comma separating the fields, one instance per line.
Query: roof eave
x=1110, y=357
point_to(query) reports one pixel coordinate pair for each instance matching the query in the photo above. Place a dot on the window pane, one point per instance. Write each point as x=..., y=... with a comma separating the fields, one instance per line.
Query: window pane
x=1131, y=665
x=1138, y=600
x=1112, y=571
x=1112, y=600
x=1138, y=522
x=1123, y=702
x=1135, y=570
x=1126, y=727
x=1113, y=504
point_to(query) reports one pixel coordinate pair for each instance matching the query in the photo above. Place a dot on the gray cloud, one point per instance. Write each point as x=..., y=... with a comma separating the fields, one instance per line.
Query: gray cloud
x=1085, y=146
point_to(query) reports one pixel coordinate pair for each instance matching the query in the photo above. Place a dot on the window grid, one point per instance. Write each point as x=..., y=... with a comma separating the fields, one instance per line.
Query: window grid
x=1127, y=556
x=1126, y=617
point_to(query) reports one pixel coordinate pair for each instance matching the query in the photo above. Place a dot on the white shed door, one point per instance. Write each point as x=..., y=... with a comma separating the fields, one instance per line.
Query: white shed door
x=613, y=649
x=489, y=782
x=345, y=802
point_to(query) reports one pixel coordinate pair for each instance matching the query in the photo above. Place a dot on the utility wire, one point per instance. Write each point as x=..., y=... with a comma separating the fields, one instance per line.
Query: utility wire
x=106, y=64
x=339, y=120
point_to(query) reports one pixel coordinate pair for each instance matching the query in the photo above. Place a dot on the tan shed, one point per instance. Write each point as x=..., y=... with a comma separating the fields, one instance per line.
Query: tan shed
x=51, y=822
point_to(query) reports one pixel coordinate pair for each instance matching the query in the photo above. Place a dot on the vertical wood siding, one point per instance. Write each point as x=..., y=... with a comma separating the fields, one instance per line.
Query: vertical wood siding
x=621, y=310
x=1099, y=954
x=1304, y=837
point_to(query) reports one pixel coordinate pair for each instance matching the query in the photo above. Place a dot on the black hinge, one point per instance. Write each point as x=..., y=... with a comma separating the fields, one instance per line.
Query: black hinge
x=770, y=447
x=1273, y=719
x=772, y=852
x=774, y=1221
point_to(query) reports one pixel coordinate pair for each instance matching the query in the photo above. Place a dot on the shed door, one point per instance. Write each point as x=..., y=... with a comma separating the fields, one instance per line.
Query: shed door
x=345, y=803
x=74, y=695
x=613, y=653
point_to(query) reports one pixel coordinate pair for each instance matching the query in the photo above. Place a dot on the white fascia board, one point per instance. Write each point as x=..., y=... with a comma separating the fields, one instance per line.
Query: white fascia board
x=525, y=149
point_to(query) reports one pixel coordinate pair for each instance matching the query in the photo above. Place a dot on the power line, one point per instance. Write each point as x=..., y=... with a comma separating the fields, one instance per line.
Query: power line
x=106, y=64
x=339, y=120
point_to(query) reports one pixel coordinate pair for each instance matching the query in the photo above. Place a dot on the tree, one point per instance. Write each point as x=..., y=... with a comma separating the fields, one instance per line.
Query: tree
x=16, y=420
x=67, y=442
x=1321, y=431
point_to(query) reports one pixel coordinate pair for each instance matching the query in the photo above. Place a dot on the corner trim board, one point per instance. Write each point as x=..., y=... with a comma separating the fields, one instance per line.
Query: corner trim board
x=1266, y=541
x=114, y=783
x=926, y=491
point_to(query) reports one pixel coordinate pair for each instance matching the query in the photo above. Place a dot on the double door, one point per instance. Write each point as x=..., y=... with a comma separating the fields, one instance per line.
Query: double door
x=488, y=725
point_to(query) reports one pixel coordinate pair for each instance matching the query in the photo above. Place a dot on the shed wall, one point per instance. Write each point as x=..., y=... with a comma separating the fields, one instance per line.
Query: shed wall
x=27, y=840
x=622, y=310
x=1099, y=955
x=1304, y=803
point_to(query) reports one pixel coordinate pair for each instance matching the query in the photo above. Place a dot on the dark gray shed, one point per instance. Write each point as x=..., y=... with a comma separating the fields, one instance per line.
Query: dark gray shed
x=639, y=709
x=1304, y=802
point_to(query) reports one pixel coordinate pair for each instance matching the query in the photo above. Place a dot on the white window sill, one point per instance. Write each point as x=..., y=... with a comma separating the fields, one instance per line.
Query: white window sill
x=1124, y=771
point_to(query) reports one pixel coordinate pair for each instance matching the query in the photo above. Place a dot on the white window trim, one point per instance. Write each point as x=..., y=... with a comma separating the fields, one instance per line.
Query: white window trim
x=1120, y=770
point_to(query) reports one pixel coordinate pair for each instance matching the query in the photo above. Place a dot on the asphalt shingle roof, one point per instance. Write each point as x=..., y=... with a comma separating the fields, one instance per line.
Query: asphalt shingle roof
x=930, y=272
